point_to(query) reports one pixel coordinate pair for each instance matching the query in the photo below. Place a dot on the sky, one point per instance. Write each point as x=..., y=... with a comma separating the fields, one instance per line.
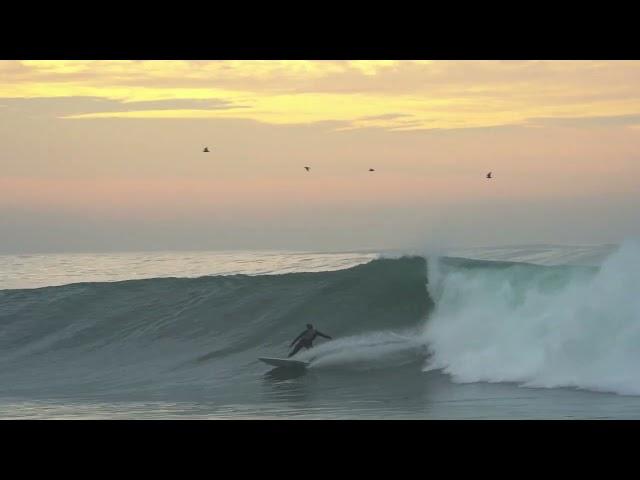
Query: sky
x=107, y=155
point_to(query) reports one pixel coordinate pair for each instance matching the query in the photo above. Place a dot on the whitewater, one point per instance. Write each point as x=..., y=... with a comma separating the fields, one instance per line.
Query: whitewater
x=537, y=331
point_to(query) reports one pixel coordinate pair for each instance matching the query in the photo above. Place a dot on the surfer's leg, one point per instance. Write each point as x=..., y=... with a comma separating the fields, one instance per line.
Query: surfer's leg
x=299, y=345
x=296, y=349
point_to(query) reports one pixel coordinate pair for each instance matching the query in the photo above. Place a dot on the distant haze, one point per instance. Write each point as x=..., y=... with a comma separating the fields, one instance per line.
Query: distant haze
x=107, y=155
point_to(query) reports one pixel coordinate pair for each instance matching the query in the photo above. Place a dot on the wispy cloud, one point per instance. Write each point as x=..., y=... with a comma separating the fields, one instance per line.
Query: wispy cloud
x=603, y=121
x=74, y=106
x=386, y=116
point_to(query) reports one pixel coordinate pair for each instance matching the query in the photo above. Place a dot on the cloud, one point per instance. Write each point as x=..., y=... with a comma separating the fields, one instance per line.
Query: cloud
x=604, y=121
x=70, y=106
x=363, y=94
x=386, y=116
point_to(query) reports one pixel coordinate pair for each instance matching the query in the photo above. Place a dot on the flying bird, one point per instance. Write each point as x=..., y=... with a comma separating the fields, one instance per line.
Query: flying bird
x=206, y=149
x=307, y=168
x=489, y=175
x=371, y=170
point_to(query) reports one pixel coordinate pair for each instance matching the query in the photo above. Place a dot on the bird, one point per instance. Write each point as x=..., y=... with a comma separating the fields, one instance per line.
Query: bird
x=371, y=170
x=307, y=168
x=206, y=149
x=489, y=175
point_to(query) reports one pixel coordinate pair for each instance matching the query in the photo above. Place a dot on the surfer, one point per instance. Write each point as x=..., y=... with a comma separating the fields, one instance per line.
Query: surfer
x=305, y=339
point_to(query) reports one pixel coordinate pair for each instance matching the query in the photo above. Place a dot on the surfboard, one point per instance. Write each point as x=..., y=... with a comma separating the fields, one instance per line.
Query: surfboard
x=284, y=362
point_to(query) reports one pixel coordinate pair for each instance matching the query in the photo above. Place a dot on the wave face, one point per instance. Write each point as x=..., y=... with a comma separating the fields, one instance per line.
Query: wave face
x=538, y=326
x=172, y=333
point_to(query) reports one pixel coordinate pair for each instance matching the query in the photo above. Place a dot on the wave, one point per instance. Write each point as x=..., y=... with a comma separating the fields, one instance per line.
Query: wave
x=475, y=320
x=539, y=326
x=130, y=333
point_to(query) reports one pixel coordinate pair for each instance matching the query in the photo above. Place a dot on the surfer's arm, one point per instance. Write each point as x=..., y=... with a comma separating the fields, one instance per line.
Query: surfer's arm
x=323, y=335
x=296, y=339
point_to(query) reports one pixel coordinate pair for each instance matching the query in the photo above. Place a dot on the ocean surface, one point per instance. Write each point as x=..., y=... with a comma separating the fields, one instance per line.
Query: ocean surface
x=521, y=332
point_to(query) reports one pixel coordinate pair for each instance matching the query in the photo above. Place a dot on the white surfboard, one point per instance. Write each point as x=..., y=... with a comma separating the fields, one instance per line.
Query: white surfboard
x=284, y=362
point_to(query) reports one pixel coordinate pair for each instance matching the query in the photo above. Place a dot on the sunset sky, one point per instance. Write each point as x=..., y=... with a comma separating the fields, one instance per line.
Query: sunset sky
x=107, y=155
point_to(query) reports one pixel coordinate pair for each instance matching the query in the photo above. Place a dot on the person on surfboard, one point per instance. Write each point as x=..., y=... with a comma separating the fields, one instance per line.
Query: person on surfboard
x=305, y=339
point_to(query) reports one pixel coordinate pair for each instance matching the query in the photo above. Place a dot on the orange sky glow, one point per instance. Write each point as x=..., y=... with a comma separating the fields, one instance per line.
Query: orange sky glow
x=117, y=145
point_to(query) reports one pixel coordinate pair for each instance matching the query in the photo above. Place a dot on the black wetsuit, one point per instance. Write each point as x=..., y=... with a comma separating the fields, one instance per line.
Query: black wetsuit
x=305, y=339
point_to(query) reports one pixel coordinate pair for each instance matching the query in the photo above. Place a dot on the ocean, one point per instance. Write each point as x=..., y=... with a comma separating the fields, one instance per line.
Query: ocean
x=518, y=332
